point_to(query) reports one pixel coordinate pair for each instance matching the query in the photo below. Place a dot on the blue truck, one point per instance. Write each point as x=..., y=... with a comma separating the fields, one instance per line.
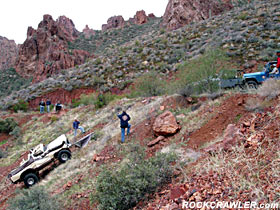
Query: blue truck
x=251, y=80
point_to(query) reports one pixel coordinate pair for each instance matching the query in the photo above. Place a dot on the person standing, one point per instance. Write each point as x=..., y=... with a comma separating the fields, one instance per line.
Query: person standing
x=42, y=106
x=124, y=118
x=76, y=126
x=58, y=107
x=276, y=68
x=48, y=103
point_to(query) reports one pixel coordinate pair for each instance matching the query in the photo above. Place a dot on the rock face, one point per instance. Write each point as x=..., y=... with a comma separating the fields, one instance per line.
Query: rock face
x=140, y=17
x=8, y=53
x=88, y=32
x=165, y=124
x=114, y=22
x=45, y=51
x=181, y=12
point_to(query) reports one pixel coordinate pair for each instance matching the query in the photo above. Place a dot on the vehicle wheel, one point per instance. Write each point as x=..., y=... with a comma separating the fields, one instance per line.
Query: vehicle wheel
x=30, y=179
x=64, y=155
x=252, y=85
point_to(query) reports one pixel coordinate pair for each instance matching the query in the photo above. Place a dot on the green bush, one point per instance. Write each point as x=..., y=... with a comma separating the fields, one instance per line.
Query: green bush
x=36, y=198
x=148, y=85
x=21, y=105
x=123, y=188
x=7, y=125
x=202, y=73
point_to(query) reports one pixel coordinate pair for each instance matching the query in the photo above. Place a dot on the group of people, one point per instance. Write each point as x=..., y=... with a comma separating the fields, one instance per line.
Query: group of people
x=48, y=103
x=125, y=126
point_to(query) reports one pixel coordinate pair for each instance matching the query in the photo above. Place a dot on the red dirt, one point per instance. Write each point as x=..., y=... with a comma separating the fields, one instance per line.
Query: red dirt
x=227, y=113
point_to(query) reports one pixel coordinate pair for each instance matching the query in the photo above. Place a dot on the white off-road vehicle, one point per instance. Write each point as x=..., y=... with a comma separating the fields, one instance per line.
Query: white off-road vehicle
x=41, y=156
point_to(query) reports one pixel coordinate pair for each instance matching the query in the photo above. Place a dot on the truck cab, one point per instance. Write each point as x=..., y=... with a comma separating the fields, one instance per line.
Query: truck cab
x=256, y=78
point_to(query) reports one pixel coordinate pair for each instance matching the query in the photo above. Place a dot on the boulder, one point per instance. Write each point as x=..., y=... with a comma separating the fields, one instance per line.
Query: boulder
x=154, y=142
x=182, y=12
x=165, y=124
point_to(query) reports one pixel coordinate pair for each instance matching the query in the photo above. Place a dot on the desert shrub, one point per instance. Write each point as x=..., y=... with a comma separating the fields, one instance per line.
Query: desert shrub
x=148, y=85
x=36, y=198
x=84, y=100
x=256, y=104
x=7, y=125
x=104, y=99
x=123, y=188
x=54, y=119
x=202, y=73
x=21, y=105
x=11, y=81
x=270, y=88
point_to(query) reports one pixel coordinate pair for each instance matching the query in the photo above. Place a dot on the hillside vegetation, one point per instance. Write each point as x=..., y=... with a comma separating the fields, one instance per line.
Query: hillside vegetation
x=226, y=147
x=248, y=34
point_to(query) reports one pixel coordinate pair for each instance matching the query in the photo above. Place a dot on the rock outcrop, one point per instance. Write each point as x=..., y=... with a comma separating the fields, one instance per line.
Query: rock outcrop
x=88, y=32
x=165, y=124
x=140, y=17
x=8, y=53
x=45, y=51
x=114, y=22
x=182, y=12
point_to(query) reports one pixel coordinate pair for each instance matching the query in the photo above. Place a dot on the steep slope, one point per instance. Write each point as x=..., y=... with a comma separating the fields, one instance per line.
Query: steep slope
x=8, y=53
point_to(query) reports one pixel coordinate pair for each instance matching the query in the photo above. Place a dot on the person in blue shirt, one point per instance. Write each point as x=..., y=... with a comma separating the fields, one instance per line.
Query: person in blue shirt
x=124, y=118
x=48, y=103
x=76, y=126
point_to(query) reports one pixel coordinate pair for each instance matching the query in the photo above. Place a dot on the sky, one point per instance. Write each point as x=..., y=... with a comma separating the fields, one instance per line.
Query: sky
x=17, y=15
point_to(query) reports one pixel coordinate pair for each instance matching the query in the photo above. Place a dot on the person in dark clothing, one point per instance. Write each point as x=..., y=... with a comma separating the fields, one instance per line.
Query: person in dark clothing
x=124, y=118
x=58, y=107
x=48, y=103
x=42, y=106
x=76, y=126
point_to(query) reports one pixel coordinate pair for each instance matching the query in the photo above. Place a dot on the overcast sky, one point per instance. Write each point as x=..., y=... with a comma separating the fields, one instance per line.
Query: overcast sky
x=17, y=15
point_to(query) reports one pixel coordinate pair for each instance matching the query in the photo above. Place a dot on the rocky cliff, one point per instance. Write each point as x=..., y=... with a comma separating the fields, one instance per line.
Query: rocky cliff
x=8, y=53
x=182, y=12
x=45, y=51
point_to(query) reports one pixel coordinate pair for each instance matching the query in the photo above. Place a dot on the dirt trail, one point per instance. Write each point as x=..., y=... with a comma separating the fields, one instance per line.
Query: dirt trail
x=230, y=111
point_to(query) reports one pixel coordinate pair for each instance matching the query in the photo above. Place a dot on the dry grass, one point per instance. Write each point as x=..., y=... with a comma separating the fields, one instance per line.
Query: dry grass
x=247, y=172
x=270, y=89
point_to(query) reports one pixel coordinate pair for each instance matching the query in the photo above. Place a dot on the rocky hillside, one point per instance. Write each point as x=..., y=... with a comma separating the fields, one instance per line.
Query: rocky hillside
x=249, y=35
x=45, y=51
x=183, y=12
x=8, y=53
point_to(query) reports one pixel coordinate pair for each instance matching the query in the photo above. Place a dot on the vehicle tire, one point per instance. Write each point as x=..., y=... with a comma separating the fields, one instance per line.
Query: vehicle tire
x=30, y=179
x=64, y=155
x=252, y=84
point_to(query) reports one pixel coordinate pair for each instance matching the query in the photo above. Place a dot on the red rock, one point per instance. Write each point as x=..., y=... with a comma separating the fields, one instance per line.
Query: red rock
x=165, y=124
x=88, y=32
x=151, y=15
x=8, y=53
x=114, y=22
x=157, y=140
x=182, y=12
x=176, y=192
x=140, y=17
x=45, y=51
